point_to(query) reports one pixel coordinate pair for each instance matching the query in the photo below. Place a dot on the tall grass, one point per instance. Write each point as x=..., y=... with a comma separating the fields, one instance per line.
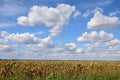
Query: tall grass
x=59, y=70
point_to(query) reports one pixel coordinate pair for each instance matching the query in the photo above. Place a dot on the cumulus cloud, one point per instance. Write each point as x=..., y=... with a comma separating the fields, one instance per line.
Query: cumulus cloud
x=76, y=14
x=46, y=42
x=51, y=17
x=89, y=12
x=70, y=46
x=43, y=48
x=95, y=37
x=115, y=49
x=113, y=42
x=101, y=50
x=24, y=42
x=100, y=21
x=4, y=34
x=3, y=42
x=93, y=47
x=59, y=49
x=57, y=52
x=6, y=48
x=25, y=38
x=79, y=50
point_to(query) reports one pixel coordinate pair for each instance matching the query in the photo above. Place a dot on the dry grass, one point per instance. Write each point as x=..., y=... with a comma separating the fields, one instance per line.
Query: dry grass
x=44, y=68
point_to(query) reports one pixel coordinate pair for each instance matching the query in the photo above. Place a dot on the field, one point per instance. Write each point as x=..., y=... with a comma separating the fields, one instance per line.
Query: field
x=59, y=70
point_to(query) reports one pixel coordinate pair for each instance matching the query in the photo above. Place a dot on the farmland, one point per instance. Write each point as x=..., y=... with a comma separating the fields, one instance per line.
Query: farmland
x=59, y=70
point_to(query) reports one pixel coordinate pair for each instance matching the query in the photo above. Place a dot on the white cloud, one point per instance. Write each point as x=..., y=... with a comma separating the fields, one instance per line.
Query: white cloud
x=104, y=50
x=113, y=42
x=59, y=49
x=4, y=33
x=79, y=50
x=46, y=42
x=114, y=13
x=115, y=49
x=70, y=46
x=3, y=42
x=76, y=14
x=51, y=17
x=45, y=49
x=25, y=38
x=93, y=47
x=95, y=37
x=4, y=25
x=23, y=43
x=39, y=32
x=86, y=14
x=11, y=8
x=100, y=21
x=89, y=12
x=6, y=48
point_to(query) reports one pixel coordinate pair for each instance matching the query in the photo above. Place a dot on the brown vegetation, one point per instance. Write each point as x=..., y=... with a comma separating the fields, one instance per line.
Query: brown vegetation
x=69, y=68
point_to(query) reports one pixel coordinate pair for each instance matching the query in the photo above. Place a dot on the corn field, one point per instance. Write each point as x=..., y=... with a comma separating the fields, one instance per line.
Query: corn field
x=59, y=70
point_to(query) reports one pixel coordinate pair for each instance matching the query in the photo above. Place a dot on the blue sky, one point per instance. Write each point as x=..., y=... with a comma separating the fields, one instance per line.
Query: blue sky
x=60, y=29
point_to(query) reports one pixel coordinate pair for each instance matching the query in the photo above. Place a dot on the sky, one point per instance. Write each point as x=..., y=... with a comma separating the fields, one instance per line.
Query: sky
x=60, y=29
